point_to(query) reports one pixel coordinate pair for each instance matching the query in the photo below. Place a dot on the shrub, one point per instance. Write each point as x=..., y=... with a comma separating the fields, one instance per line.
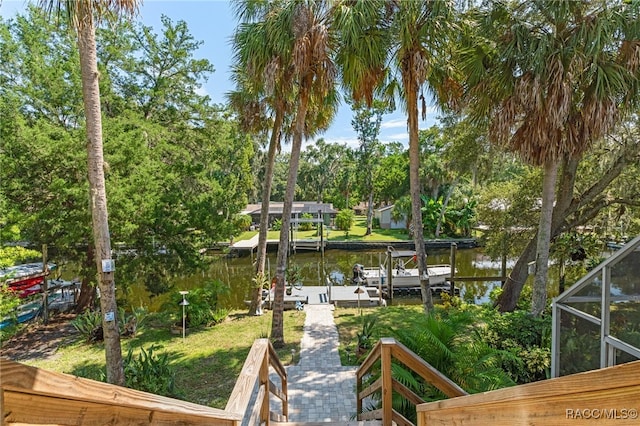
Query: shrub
x=149, y=372
x=344, y=220
x=276, y=225
x=203, y=304
x=89, y=325
x=306, y=226
x=526, y=341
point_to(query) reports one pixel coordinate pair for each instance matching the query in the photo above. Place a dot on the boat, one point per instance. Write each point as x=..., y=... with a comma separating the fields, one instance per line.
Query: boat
x=60, y=297
x=25, y=279
x=405, y=274
x=23, y=313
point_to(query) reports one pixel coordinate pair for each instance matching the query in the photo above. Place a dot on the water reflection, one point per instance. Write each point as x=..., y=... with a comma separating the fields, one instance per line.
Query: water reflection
x=335, y=266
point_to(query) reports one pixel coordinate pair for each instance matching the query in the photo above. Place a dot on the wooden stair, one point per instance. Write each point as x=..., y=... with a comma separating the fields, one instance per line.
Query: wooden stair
x=350, y=423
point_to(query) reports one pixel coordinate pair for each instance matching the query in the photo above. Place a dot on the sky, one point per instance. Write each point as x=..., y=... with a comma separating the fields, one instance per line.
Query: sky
x=213, y=23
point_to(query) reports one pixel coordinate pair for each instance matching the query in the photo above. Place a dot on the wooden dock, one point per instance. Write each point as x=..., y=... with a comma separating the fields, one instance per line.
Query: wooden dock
x=340, y=296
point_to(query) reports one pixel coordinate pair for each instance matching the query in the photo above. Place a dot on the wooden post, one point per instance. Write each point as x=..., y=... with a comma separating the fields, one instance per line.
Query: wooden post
x=390, y=275
x=387, y=383
x=454, y=249
x=45, y=287
x=504, y=267
x=358, y=400
x=264, y=381
x=321, y=230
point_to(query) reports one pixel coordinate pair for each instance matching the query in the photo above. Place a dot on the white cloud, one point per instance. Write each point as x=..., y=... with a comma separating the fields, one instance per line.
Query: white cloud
x=395, y=123
x=395, y=137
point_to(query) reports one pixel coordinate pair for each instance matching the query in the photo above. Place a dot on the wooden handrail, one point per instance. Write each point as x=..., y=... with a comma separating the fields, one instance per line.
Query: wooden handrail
x=30, y=395
x=256, y=370
x=605, y=396
x=34, y=396
x=385, y=351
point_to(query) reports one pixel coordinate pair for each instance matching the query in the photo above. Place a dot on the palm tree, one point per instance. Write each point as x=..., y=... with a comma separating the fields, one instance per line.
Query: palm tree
x=264, y=83
x=551, y=77
x=301, y=32
x=406, y=39
x=83, y=14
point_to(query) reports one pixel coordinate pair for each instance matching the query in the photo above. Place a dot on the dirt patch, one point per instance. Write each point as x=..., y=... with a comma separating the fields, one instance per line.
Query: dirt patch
x=40, y=341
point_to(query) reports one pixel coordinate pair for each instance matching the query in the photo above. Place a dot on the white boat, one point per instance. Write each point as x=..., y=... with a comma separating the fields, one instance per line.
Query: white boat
x=404, y=273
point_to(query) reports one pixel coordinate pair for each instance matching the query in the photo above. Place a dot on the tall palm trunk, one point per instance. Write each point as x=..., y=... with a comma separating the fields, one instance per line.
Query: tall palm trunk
x=256, y=299
x=539, y=297
x=277, y=324
x=98, y=198
x=414, y=183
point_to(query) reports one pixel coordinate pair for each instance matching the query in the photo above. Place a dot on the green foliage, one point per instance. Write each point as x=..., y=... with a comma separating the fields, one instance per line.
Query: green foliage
x=14, y=255
x=345, y=220
x=276, y=225
x=367, y=336
x=89, y=325
x=306, y=226
x=159, y=134
x=150, y=372
x=525, y=341
x=9, y=301
x=203, y=309
x=242, y=222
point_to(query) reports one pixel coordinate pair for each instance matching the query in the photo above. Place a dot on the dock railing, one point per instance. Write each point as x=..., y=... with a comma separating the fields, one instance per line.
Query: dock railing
x=385, y=351
x=33, y=396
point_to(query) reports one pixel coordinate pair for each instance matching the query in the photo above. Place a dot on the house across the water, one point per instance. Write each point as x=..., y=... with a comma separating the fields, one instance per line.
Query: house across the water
x=316, y=210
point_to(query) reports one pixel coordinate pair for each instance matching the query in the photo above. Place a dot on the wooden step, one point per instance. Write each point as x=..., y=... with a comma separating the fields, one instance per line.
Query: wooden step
x=350, y=423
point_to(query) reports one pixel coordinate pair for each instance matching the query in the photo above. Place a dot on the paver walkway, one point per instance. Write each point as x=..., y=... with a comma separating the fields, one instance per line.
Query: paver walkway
x=320, y=389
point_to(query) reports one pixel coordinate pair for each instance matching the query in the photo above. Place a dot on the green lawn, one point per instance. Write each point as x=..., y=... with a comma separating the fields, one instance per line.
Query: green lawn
x=207, y=363
x=349, y=323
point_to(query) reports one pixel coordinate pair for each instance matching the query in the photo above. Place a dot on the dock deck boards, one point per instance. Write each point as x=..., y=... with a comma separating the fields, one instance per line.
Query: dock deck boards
x=319, y=295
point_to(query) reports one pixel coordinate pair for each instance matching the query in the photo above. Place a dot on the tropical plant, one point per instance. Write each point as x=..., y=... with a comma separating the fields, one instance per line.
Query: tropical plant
x=264, y=81
x=301, y=39
x=412, y=37
x=306, y=226
x=551, y=78
x=345, y=220
x=149, y=372
x=204, y=307
x=89, y=325
x=525, y=337
x=366, y=336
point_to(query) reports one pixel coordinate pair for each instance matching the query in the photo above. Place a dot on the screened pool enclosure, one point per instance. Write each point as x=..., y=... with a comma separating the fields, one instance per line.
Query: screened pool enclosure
x=596, y=322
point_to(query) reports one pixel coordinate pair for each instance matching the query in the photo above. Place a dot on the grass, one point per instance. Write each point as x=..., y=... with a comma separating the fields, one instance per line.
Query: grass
x=356, y=233
x=349, y=323
x=207, y=363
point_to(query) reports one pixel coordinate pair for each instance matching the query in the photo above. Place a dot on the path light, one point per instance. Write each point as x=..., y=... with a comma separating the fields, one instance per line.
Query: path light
x=359, y=291
x=184, y=304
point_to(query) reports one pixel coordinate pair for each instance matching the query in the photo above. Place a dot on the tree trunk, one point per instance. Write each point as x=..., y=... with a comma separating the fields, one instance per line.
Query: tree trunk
x=87, y=291
x=277, y=324
x=508, y=300
x=369, y=214
x=98, y=197
x=256, y=299
x=566, y=204
x=414, y=180
x=539, y=297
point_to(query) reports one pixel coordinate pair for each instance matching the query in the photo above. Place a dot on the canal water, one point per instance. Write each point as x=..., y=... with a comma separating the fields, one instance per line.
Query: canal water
x=336, y=265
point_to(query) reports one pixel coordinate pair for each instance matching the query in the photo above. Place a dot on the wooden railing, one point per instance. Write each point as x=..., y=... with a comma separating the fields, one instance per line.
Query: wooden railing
x=386, y=350
x=32, y=396
x=256, y=369
x=607, y=396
